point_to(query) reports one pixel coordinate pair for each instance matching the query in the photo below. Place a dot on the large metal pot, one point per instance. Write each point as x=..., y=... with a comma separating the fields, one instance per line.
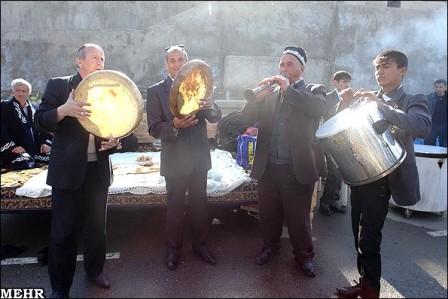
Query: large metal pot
x=361, y=154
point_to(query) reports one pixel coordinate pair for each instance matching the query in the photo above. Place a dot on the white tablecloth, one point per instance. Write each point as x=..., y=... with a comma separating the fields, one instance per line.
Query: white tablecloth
x=224, y=176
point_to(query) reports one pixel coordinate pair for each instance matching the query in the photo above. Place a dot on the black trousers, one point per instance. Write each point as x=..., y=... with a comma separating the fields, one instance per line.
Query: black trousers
x=282, y=197
x=370, y=204
x=177, y=187
x=73, y=209
x=332, y=188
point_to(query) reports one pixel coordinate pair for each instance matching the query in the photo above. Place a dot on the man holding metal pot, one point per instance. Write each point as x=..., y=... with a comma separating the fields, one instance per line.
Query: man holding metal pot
x=409, y=117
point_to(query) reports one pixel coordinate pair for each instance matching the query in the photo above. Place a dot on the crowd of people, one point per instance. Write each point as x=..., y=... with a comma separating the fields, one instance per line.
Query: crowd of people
x=288, y=163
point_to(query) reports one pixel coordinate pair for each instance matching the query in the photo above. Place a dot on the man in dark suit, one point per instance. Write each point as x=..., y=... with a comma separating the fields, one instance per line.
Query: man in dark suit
x=288, y=160
x=80, y=174
x=437, y=106
x=409, y=117
x=184, y=160
x=332, y=187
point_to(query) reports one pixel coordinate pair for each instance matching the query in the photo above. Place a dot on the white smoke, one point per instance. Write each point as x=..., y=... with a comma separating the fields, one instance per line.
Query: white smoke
x=422, y=37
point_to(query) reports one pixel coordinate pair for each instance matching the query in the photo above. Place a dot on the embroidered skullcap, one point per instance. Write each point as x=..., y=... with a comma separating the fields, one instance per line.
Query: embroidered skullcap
x=298, y=52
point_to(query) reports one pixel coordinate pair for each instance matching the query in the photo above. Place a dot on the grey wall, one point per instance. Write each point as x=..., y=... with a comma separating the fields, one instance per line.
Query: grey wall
x=241, y=41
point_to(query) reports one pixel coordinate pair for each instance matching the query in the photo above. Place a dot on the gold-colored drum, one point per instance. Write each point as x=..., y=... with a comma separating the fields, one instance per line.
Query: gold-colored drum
x=115, y=101
x=193, y=82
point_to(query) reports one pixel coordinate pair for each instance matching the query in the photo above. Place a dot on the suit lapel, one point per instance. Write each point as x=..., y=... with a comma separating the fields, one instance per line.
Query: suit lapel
x=299, y=84
x=396, y=100
x=166, y=92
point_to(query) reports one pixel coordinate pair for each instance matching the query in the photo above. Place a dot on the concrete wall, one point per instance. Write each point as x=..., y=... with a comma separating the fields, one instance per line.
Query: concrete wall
x=240, y=40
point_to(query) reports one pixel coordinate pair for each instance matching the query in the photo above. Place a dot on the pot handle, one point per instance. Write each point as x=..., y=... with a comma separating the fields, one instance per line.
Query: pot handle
x=381, y=126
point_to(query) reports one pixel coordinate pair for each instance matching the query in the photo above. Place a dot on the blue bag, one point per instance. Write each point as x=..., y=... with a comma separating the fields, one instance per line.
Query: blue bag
x=246, y=144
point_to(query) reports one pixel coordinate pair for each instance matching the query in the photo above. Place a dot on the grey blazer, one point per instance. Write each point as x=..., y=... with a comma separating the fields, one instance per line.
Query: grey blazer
x=332, y=102
x=187, y=150
x=410, y=118
x=306, y=107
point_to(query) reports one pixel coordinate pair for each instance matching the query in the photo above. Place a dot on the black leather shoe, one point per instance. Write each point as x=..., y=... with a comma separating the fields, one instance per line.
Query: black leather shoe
x=59, y=294
x=171, y=260
x=101, y=280
x=308, y=269
x=351, y=291
x=206, y=256
x=337, y=208
x=265, y=255
x=324, y=211
x=42, y=257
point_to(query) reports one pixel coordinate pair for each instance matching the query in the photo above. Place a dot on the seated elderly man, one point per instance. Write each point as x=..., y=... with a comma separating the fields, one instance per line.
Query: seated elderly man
x=23, y=146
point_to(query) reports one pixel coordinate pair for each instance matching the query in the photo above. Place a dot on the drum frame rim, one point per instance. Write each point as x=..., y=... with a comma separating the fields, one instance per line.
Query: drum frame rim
x=380, y=176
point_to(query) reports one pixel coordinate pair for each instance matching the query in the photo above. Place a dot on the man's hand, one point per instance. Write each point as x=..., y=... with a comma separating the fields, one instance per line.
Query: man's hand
x=185, y=122
x=365, y=95
x=73, y=108
x=347, y=94
x=45, y=149
x=109, y=143
x=205, y=104
x=18, y=150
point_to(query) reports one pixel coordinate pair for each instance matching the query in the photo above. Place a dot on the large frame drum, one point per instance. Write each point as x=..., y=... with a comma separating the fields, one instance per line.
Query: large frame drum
x=361, y=154
x=115, y=101
x=193, y=82
x=432, y=171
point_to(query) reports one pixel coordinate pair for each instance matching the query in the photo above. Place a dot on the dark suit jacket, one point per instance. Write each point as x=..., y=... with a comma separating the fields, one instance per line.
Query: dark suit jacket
x=432, y=98
x=187, y=151
x=410, y=118
x=306, y=107
x=68, y=159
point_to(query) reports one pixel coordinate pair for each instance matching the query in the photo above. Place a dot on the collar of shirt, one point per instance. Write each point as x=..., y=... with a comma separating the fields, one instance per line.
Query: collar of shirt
x=339, y=95
x=386, y=98
x=25, y=108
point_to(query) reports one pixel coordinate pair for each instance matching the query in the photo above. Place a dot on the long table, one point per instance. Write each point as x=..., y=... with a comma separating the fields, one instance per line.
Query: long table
x=11, y=202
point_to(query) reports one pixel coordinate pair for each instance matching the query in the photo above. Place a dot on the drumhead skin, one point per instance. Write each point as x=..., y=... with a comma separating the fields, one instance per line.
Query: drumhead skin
x=193, y=82
x=116, y=103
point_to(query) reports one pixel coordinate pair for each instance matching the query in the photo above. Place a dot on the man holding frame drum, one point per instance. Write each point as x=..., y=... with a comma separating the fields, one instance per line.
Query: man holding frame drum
x=80, y=174
x=185, y=153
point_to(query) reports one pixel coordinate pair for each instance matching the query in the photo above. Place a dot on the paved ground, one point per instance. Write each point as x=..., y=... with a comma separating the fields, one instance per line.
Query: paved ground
x=414, y=261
